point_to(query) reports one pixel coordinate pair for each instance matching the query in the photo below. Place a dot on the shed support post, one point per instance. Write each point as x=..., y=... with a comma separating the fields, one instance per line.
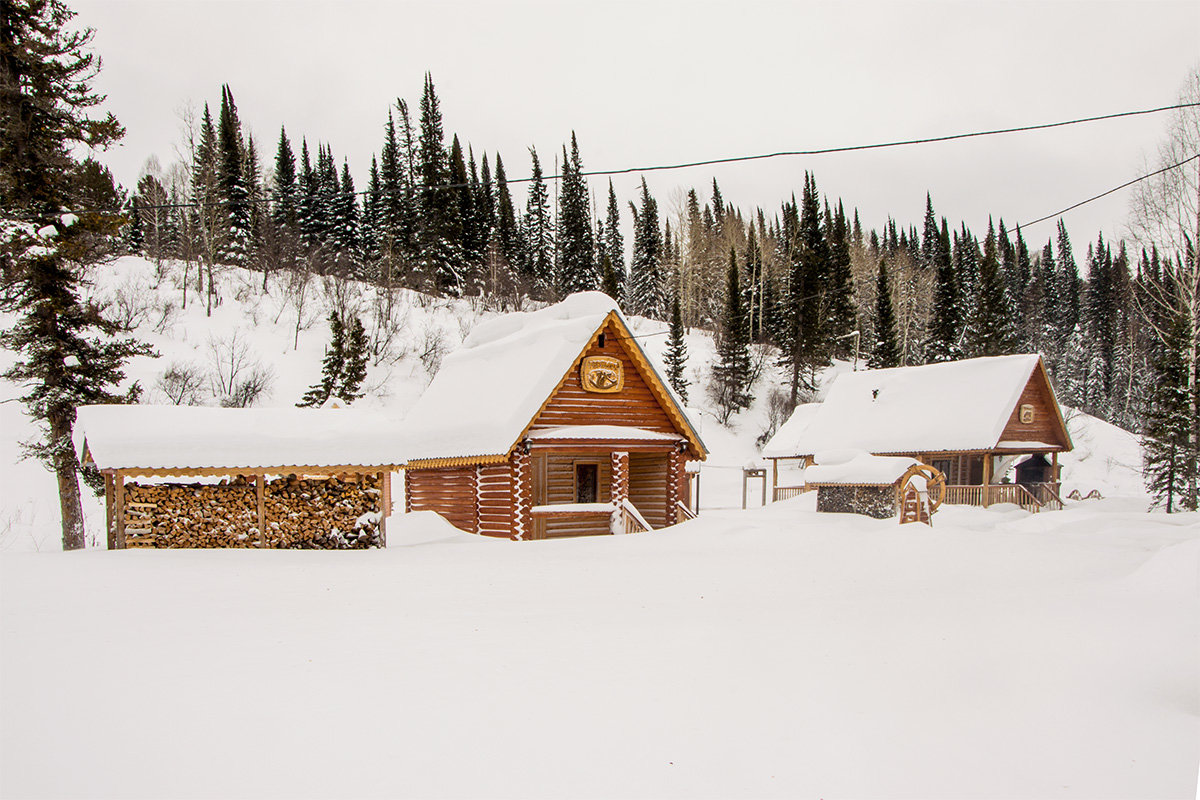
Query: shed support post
x=119, y=508
x=774, y=480
x=987, y=479
x=385, y=502
x=110, y=531
x=1054, y=467
x=260, y=491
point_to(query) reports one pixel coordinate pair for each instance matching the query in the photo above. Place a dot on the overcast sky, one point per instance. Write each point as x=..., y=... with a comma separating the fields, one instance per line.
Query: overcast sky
x=661, y=82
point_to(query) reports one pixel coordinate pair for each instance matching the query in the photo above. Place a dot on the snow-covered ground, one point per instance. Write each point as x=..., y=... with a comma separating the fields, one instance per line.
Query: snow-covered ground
x=770, y=652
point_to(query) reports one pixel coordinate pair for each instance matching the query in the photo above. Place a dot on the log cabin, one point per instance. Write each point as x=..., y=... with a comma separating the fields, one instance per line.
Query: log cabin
x=190, y=476
x=549, y=424
x=973, y=420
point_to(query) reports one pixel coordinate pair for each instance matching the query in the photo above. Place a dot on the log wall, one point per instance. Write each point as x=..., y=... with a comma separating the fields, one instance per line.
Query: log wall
x=496, y=507
x=634, y=406
x=331, y=513
x=450, y=491
x=1045, y=426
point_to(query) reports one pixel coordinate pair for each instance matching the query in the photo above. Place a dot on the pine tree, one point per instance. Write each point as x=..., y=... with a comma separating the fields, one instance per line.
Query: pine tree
x=283, y=193
x=731, y=376
x=463, y=208
x=839, y=286
x=331, y=367
x=307, y=211
x=675, y=357
x=885, y=353
x=576, y=267
x=610, y=283
x=68, y=354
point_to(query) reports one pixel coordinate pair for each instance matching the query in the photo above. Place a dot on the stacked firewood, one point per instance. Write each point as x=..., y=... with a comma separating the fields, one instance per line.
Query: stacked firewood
x=330, y=514
x=191, y=515
x=335, y=513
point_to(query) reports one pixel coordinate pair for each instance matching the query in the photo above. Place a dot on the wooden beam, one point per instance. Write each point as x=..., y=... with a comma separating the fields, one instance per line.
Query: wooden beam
x=110, y=531
x=385, y=499
x=987, y=478
x=260, y=493
x=119, y=509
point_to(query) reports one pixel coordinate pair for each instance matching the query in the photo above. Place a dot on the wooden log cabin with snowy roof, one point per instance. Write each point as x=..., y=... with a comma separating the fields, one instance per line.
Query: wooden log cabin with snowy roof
x=550, y=424
x=972, y=419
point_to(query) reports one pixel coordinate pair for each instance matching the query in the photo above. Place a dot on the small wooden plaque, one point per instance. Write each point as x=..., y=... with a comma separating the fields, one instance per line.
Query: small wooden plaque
x=602, y=374
x=1026, y=413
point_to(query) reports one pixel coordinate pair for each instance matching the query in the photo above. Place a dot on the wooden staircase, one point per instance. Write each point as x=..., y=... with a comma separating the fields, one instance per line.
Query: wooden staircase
x=914, y=507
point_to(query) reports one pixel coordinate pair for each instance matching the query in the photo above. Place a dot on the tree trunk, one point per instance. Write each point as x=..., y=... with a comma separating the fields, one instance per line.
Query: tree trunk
x=66, y=468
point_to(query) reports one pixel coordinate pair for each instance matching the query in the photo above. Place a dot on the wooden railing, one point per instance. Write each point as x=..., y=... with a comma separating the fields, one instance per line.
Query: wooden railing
x=1043, y=497
x=682, y=512
x=632, y=519
x=788, y=492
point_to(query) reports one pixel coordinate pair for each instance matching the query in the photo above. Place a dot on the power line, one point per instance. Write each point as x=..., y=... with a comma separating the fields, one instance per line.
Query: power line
x=790, y=153
x=1110, y=191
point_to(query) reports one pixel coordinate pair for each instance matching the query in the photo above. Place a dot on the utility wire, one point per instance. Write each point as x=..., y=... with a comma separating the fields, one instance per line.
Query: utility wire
x=1110, y=191
x=788, y=153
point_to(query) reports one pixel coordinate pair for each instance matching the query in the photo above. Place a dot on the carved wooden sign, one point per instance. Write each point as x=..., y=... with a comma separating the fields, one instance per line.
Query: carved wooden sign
x=602, y=374
x=1026, y=413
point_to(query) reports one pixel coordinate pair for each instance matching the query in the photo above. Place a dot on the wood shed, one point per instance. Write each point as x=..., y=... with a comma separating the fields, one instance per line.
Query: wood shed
x=548, y=424
x=187, y=476
x=972, y=420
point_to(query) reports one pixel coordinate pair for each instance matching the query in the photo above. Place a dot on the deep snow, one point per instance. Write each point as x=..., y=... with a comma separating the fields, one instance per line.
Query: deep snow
x=772, y=652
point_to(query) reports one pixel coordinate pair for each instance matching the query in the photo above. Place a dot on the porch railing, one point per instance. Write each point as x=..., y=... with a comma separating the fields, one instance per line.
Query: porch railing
x=788, y=492
x=1043, y=497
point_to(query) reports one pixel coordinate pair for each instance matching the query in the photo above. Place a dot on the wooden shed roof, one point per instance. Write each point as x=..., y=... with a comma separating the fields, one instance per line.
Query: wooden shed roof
x=198, y=439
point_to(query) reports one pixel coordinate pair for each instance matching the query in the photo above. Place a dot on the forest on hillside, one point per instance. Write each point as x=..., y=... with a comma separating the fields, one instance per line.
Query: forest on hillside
x=1117, y=322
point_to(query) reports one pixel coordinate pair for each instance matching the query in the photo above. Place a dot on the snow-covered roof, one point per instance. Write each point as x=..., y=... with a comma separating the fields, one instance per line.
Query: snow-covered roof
x=487, y=391
x=198, y=437
x=860, y=468
x=604, y=432
x=957, y=405
x=779, y=445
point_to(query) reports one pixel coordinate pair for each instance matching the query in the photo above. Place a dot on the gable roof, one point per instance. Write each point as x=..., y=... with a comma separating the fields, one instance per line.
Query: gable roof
x=489, y=391
x=203, y=438
x=950, y=406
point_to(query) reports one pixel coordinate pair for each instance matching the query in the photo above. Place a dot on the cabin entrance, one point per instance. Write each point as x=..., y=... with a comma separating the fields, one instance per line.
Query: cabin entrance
x=648, y=486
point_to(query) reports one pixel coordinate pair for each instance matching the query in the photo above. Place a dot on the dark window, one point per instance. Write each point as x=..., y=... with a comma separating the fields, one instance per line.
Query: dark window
x=586, y=483
x=942, y=465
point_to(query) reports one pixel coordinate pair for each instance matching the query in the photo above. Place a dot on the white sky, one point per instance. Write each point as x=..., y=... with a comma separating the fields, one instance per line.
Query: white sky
x=663, y=82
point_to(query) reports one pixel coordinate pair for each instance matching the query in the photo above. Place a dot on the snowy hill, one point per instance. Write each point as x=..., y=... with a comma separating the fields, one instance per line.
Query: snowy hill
x=284, y=332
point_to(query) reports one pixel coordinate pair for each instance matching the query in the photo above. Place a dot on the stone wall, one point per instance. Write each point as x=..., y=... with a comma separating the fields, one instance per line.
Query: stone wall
x=873, y=501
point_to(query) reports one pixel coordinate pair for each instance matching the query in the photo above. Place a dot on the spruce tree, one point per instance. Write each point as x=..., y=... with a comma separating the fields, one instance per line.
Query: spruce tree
x=331, y=367
x=1171, y=462
x=885, y=353
x=945, y=325
x=283, y=192
x=610, y=283
x=647, y=288
x=439, y=234
x=508, y=233
x=354, y=362
x=67, y=353
x=576, y=267
x=675, y=357
x=730, y=388
x=538, y=263
x=231, y=181
x=614, y=243
x=993, y=326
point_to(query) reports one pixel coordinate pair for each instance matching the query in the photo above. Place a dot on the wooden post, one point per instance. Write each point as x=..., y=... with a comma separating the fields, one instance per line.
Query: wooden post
x=1054, y=469
x=260, y=491
x=774, y=479
x=764, y=479
x=745, y=478
x=110, y=531
x=385, y=501
x=119, y=509
x=987, y=479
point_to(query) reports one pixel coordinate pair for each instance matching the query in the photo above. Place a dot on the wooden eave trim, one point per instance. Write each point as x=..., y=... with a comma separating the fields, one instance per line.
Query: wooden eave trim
x=648, y=374
x=311, y=469
x=455, y=461
x=615, y=444
x=816, y=484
